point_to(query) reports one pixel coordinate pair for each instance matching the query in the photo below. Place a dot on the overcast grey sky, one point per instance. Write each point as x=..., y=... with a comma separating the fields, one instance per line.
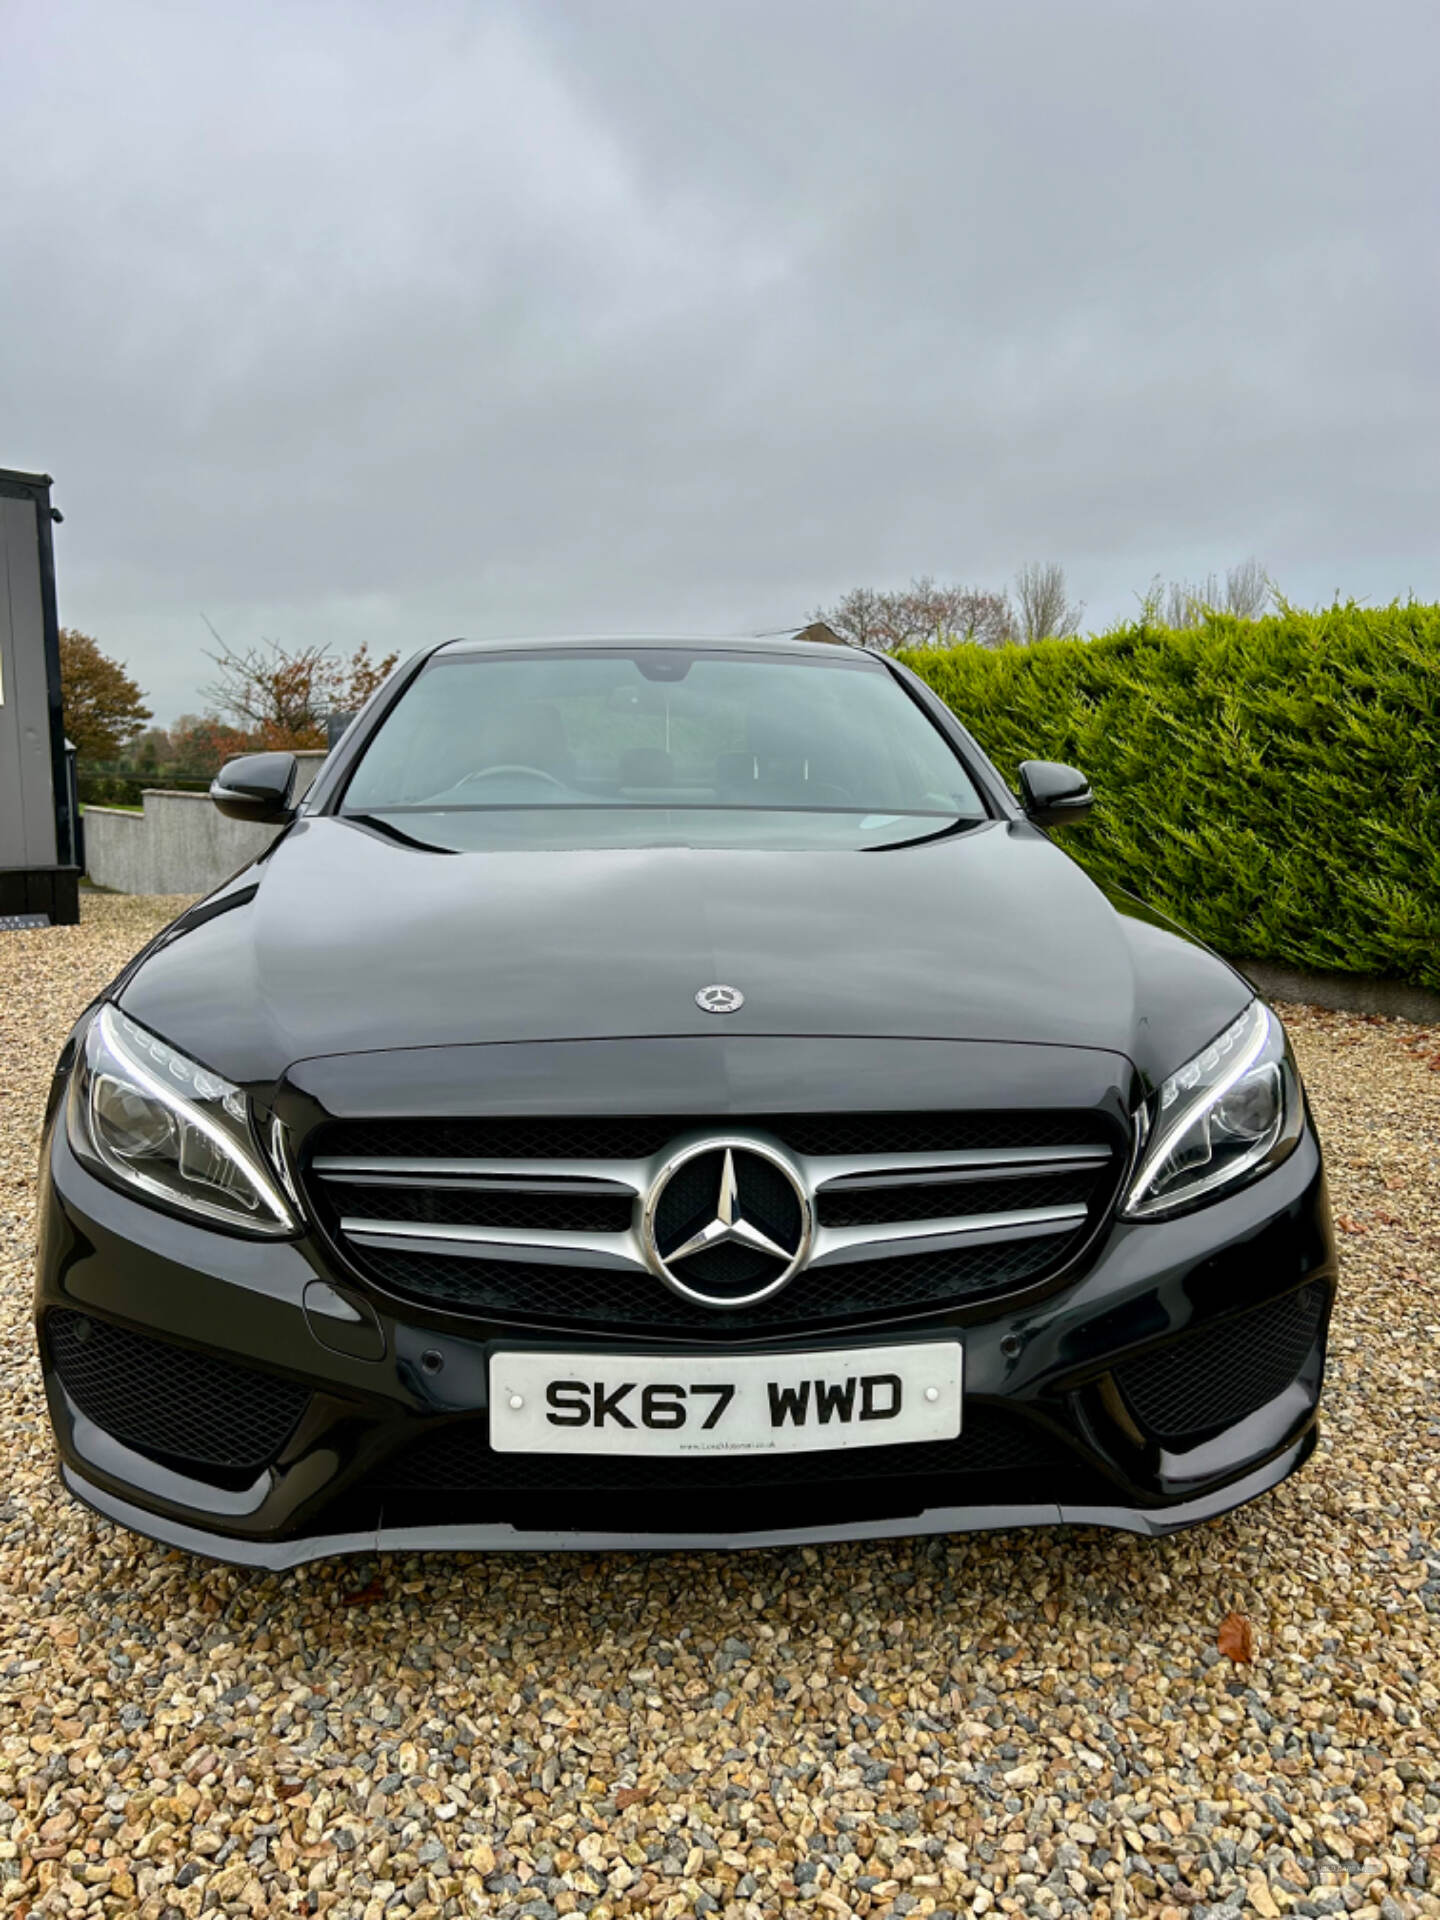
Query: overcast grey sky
x=366, y=322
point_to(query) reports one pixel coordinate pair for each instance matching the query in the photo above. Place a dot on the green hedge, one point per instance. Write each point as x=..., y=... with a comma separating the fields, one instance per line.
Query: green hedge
x=123, y=790
x=1273, y=784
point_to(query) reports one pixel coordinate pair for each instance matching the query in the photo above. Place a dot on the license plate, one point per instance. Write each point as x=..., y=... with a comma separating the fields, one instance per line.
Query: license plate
x=603, y=1402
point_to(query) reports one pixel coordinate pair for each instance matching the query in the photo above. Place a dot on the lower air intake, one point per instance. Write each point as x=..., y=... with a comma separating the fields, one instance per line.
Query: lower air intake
x=168, y=1401
x=1207, y=1380
x=459, y=1459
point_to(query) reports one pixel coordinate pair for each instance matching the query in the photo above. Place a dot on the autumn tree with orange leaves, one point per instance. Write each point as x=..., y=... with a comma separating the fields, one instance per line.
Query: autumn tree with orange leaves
x=280, y=696
x=103, y=707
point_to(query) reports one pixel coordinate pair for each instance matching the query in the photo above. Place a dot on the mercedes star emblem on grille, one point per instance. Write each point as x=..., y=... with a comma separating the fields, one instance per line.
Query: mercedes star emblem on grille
x=726, y=1222
x=719, y=999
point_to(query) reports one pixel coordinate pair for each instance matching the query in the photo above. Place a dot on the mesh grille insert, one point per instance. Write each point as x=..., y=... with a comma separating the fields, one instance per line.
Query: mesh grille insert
x=459, y=1206
x=168, y=1400
x=906, y=1283
x=458, y=1459
x=1207, y=1380
x=626, y=1137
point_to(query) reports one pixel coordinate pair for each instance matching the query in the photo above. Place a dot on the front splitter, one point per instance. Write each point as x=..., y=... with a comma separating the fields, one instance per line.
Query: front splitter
x=277, y=1555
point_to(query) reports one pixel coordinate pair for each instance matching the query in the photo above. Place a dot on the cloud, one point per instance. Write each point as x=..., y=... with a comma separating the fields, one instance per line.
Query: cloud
x=354, y=322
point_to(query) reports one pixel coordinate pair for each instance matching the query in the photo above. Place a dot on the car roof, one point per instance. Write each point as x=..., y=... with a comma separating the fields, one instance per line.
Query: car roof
x=798, y=640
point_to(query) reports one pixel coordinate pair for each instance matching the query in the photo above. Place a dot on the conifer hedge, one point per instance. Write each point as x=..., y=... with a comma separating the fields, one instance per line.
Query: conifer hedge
x=1273, y=784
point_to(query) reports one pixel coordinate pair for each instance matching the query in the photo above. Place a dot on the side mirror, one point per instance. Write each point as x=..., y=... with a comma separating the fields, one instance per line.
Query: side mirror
x=257, y=788
x=1054, y=794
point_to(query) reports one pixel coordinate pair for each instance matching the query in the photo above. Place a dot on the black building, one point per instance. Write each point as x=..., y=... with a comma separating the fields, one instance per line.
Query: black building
x=40, y=859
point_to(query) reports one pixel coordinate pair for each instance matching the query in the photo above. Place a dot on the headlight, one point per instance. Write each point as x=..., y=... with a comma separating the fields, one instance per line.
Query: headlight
x=143, y=1114
x=1232, y=1111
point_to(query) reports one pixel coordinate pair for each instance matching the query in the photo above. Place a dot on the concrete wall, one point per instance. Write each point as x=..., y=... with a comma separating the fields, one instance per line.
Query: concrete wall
x=1344, y=992
x=181, y=843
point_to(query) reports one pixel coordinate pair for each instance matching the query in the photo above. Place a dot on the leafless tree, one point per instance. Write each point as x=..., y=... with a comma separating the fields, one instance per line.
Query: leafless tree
x=1046, y=612
x=938, y=615
x=927, y=613
x=1247, y=591
x=858, y=618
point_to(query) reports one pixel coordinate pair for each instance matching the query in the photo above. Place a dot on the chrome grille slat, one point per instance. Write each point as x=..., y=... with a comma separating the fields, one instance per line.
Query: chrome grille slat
x=633, y=1175
x=479, y=1183
x=623, y=1249
x=937, y=1173
x=833, y=1244
x=573, y=1249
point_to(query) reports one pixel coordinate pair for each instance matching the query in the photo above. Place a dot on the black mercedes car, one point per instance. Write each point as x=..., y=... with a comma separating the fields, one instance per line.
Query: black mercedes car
x=662, y=1093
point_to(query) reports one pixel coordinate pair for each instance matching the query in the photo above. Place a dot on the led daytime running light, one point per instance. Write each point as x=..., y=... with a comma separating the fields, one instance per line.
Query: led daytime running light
x=120, y=1056
x=1194, y=1071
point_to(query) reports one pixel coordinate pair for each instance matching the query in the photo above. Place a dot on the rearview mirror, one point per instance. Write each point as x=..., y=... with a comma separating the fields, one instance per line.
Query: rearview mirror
x=1054, y=794
x=256, y=787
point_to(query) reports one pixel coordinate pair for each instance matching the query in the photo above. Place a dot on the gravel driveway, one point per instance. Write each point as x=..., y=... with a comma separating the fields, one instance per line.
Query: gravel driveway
x=1016, y=1722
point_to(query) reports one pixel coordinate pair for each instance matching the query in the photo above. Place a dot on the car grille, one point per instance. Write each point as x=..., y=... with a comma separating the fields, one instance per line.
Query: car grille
x=458, y=1459
x=185, y=1407
x=1206, y=1381
x=539, y=1219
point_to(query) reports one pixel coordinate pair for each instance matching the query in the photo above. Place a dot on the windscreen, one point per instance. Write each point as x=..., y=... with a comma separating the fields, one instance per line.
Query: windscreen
x=673, y=732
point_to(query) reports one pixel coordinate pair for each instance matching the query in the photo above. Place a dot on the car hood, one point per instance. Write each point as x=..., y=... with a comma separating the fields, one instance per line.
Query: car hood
x=343, y=941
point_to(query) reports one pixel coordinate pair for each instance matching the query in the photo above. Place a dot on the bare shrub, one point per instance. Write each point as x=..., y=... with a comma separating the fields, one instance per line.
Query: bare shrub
x=1247, y=592
x=927, y=613
x=1045, y=609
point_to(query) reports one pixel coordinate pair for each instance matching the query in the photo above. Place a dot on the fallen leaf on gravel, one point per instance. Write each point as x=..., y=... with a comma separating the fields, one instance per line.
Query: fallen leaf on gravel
x=366, y=1595
x=1347, y=1223
x=1236, y=1639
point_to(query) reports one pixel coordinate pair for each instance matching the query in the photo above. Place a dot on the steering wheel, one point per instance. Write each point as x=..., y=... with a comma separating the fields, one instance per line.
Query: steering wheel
x=491, y=773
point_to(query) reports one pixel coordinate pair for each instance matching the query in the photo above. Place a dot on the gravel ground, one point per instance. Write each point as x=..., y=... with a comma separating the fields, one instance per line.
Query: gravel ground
x=1018, y=1722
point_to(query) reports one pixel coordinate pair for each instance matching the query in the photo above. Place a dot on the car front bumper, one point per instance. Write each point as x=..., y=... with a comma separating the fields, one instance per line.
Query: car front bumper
x=276, y=1555
x=1210, y=1290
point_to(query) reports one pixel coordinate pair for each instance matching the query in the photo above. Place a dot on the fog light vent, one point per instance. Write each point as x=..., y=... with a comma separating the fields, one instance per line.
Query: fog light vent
x=185, y=1407
x=1209, y=1379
